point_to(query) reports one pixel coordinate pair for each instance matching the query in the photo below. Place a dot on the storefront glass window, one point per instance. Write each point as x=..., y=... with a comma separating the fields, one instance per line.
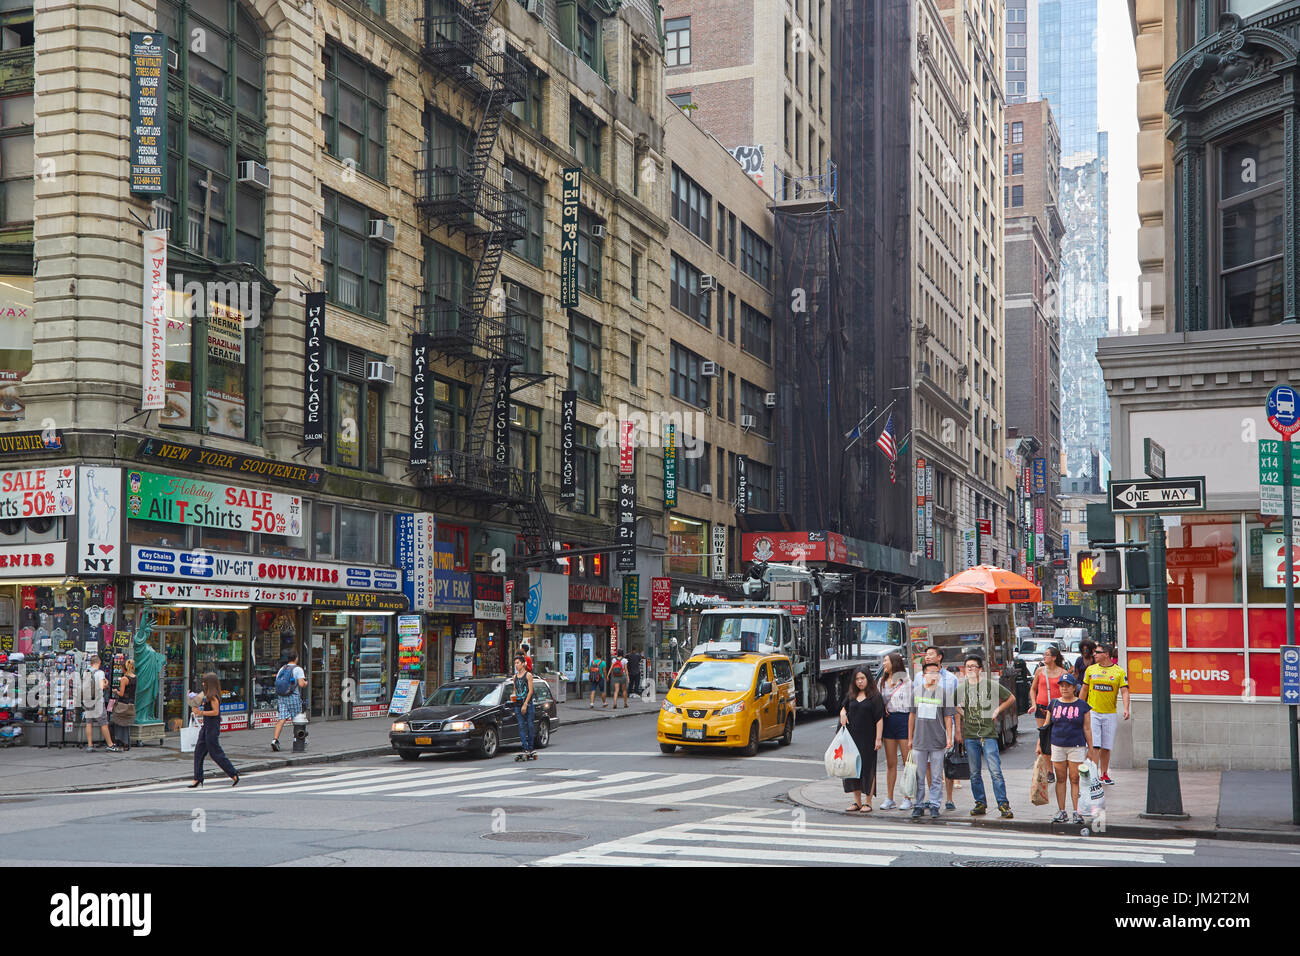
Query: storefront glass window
x=171, y=634
x=687, y=546
x=324, y=530
x=1204, y=557
x=276, y=634
x=220, y=645
x=222, y=539
x=156, y=534
x=370, y=659
x=356, y=535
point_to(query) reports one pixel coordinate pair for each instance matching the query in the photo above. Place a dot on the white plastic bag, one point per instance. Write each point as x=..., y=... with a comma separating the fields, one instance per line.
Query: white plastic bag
x=190, y=736
x=842, y=757
x=908, y=783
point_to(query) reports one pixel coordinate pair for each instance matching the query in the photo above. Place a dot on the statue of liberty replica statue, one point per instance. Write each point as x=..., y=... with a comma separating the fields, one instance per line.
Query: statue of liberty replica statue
x=148, y=665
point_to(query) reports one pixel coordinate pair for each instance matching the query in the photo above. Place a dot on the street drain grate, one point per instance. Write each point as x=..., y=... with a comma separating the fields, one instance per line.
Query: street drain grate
x=534, y=836
x=498, y=809
x=994, y=863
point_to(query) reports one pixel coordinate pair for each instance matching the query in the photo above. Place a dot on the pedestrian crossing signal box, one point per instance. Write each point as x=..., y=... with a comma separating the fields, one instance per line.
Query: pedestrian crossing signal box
x=1099, y=571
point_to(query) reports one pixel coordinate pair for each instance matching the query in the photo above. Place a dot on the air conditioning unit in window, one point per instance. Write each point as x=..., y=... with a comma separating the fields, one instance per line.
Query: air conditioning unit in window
x=381, y=372
x=383, y=230
x=512, y=291
x=709, y=369
x=769, y=399
x=706, y=489
x=748, y=421
x=174, y=60
x=534, y=7
x=482, y=561
x=598, y=231
x=708, y=283
x=507, y=176
x=255, y=174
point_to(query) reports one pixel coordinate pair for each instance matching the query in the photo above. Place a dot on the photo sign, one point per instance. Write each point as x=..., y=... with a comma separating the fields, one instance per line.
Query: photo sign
x=148, y=149
x=210, y=504
x=570, y=193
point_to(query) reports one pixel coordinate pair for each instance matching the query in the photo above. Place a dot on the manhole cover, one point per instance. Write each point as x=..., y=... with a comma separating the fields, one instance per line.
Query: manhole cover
x=490, y=809
x=994, y=863
x=160, y=817
x=533, y=836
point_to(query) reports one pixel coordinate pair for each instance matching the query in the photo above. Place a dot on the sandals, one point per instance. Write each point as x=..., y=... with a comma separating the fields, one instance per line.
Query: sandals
x=865, y=808
x=856, y=808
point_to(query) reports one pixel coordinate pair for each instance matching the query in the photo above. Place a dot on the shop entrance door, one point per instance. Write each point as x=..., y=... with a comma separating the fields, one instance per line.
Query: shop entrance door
x=329, y=659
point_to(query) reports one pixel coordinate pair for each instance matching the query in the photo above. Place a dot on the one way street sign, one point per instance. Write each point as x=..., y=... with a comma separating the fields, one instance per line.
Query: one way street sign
x=1167, y=494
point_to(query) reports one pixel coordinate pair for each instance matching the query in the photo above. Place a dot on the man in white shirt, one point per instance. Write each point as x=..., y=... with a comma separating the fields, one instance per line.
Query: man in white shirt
x=290, y=704
x=95, y=705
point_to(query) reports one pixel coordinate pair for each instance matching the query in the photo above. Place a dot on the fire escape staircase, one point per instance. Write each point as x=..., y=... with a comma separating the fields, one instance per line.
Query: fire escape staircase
x=460, y=188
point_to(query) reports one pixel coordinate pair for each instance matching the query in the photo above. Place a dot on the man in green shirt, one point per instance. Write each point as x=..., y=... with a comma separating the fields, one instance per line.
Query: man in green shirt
x=980, y=701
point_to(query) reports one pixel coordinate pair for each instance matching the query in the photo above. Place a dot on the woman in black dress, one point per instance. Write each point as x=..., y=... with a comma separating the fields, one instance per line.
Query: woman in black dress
x=208, y=707
x=863, y=714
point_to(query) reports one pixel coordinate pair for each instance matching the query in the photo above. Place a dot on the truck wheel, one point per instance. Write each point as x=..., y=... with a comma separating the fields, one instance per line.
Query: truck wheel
x=751, y=748
x=831, y=703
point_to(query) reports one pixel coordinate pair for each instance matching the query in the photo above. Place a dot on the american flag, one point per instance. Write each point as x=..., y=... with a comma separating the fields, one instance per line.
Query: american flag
x=886, y=444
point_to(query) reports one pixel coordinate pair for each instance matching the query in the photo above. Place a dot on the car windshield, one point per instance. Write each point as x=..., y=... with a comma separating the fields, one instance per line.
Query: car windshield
x=459, y=694
x=880, y=632
x=750, y=631
x=716, y=675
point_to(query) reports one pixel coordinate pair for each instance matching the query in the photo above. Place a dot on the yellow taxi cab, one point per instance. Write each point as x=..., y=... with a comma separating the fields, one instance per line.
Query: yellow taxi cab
x=729, y=699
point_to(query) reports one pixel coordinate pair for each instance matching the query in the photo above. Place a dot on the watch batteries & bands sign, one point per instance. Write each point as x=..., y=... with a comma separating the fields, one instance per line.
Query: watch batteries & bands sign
x=253, y=569
x=357, y=601
x=38, y=492
x=208, y=504
x=148, y=175
x=570, y=195
x=313, y=374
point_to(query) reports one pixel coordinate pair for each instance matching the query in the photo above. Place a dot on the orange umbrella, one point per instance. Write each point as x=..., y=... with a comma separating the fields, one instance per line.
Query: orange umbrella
x=998, y=585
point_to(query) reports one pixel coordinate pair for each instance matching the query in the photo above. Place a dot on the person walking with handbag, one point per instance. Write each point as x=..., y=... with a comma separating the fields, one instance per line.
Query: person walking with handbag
x=124, y=706
x=1045, y=689
x=289, y=683
x=930, y=735
x=863, y=714
x=207, y=707
x=896, y=690
x=978, y=707
x=1069, y=723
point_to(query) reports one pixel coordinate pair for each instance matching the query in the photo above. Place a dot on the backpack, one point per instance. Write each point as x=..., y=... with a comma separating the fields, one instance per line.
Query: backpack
x=616, y=666
x=594, y=670
x=284, y=682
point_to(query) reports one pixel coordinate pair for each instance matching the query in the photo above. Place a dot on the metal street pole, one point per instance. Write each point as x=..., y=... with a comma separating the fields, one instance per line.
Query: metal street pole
x=1287, y=539
x=1164, y=794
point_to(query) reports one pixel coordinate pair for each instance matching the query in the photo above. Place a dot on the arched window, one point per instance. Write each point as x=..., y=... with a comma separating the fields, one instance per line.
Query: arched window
x=216, y=107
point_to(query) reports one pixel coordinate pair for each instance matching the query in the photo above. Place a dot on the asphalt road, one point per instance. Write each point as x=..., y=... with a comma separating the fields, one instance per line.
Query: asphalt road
x=602, y=794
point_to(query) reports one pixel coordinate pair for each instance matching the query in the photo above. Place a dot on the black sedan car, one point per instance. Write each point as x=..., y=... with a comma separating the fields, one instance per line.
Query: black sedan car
x=473, y=715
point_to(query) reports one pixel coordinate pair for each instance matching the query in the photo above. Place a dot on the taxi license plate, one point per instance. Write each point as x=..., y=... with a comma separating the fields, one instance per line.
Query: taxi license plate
x=424, y=740
x=693, y=733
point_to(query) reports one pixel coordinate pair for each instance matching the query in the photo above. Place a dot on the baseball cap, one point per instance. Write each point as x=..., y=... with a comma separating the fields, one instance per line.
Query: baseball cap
x=1069, y=679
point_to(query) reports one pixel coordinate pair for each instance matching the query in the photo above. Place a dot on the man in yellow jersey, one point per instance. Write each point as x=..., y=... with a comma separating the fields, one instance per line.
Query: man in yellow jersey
x=1103, y=682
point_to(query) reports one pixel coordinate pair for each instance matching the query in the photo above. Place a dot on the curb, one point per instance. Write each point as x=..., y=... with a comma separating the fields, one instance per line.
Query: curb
x=1123, y=831
x=280, y=763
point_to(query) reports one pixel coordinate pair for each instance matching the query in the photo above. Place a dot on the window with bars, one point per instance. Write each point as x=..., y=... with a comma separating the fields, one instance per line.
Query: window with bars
x=755, y=257
x=584, y=356
x=755, y=332
x=355, y=118
x=687, y=379
x=586, y=460
x=684, y=291
x=691, y=204
x=677, y=41
x=355, y=409
x=356, y=266
x=225, y=76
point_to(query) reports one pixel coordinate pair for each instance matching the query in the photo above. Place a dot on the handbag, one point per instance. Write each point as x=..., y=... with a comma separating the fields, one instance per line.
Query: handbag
x=908, y=783
x=956, y=764
x=1038, y=783
x=190, y=735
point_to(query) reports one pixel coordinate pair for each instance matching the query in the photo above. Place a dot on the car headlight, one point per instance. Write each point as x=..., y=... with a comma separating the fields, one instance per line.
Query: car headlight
x=400, y=727
x=735, y=708
x=457, y=726
x=669, y=708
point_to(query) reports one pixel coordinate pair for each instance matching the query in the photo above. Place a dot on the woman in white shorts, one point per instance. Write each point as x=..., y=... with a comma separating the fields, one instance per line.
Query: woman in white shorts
x=1070, y=726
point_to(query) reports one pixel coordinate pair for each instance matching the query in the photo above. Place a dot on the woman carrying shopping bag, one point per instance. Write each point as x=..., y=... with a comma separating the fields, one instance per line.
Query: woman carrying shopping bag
x=896, y=690
x=863, y=714
x=1046, y=687
x=123, y=715
x=208, y=707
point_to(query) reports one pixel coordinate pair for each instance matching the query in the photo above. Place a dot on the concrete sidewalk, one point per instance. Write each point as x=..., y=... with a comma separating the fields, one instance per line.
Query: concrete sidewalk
x=36, y=770
x=1227, y=805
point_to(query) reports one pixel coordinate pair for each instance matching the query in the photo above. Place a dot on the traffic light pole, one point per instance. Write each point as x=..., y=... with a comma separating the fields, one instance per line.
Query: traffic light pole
x=1164, y=793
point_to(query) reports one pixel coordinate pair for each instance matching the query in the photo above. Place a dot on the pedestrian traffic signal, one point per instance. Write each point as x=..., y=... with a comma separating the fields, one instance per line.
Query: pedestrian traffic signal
x=1138, y=570
x=1099, y=571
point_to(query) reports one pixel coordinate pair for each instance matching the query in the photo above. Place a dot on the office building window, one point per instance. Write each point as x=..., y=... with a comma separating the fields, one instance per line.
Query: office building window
x=1017, y=163
x=355, y=118
x=584, y=357
x=722, y=229
x=1017, y=132
x=752, y=405
x=758, y=478
x=755, y=257
x=526, y=438
x=680, y=100
x=1251, y=232
x=588, y=38
x=731, y=317
x=586, y=459
x=355, y=409
x=528, y=194
x=450, y=414
x=691, y=205
x=356, y=266
x=585, y=134
x=634, y=363
x=684, y=291
x=755, y=333
x=693, y=471
x=529, y=109
x=636, y=273
x=526, y=320
x=1017, y=195
x=677, y=41
x=17, y=146
x=591, y=250
x=686, y=374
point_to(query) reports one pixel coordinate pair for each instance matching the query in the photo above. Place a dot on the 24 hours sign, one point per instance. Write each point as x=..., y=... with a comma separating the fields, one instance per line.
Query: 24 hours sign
x=210, y=504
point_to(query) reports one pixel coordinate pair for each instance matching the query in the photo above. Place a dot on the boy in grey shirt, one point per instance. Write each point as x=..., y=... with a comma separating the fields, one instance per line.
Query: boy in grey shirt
x=930, y=734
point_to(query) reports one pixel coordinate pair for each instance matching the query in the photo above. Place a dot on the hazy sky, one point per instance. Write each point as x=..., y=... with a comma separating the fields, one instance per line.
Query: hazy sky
x=1117, y=114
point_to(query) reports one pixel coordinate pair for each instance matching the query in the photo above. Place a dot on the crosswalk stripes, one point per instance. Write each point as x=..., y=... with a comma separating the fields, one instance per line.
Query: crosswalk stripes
x=772, y=838
x=495, y=782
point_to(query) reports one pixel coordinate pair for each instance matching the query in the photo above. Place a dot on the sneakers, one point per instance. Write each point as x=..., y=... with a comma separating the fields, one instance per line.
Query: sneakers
x=275, y=745
x=1062, y=817
x=1107, y=781
x=1078, y=818
x=1005, y=809
x=889, y=805
x=980, y=810
x=905, y=804
x=918, y=813
x=934, y=813
x=950, y=805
